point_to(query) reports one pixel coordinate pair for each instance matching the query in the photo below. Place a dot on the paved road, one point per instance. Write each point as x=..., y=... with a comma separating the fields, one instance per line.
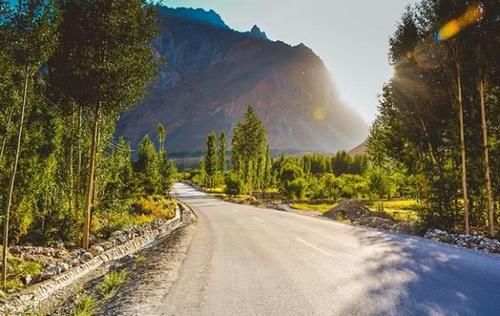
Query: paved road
x=251, y=261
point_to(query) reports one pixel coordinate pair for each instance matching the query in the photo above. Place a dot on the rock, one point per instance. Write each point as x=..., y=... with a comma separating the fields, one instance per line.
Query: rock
x=96, y=250
x=475, y=241
x=86, y=257
x=117, y=233
x=127, y=258
x=347, y=209
x=49, y=272
x=106, y=245
x=74, y=262
x=62, y=267
x=27, y=279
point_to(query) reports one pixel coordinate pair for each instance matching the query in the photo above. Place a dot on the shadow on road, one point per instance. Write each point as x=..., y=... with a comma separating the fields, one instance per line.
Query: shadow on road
x=411, y=276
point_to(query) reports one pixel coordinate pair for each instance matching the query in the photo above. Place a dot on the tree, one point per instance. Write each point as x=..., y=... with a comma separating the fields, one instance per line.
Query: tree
x=268, y=164
x=211, y=161
x=147, y=165
x=222, y=153
x=167, y=169
x=379, y=184
x=33, y=25
x=248, y=145
x=104, y=62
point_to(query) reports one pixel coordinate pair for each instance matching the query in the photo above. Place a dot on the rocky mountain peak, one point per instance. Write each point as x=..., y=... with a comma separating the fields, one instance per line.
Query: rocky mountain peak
x=257, y=33
x=208, y=17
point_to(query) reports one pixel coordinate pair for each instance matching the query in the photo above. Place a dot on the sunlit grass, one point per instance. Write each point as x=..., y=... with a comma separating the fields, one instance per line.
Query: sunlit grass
x=111, y=282
x=322, y=208
x=85, y=306
x=400, y=210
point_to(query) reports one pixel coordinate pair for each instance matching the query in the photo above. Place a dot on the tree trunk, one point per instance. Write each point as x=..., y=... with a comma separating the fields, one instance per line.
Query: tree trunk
x=90, y=182
x=12, y=182
x=4, y=142
x=78, y=167
x=491, y=214
x=462, y=149
x=72, y=203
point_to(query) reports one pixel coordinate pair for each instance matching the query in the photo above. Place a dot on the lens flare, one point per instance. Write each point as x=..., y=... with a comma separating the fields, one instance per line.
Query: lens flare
x=473, y=15
x=319, y=113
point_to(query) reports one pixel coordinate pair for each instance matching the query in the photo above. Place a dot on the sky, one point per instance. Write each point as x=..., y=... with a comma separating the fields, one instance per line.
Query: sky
x=351, y=37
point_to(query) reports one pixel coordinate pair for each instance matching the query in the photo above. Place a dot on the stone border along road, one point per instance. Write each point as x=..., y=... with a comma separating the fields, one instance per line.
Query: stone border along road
x=31, y=298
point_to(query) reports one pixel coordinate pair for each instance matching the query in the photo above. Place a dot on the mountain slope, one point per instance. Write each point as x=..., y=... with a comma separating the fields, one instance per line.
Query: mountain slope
x=213, y=73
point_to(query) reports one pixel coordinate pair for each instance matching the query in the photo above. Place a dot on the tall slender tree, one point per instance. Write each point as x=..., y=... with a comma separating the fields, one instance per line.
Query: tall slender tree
x=211, y=160
x=222, y=153
x=104, y=62
x=33, y=24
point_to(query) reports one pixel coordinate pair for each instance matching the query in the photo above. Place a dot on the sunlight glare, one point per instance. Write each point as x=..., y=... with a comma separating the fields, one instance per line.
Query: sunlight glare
x=474, y=14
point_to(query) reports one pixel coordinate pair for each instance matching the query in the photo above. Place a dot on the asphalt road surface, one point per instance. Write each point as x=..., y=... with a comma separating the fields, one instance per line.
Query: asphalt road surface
x=250, y=261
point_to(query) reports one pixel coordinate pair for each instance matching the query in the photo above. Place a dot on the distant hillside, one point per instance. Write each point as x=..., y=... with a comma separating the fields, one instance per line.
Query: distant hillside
x=212, y=73
x=360, y=149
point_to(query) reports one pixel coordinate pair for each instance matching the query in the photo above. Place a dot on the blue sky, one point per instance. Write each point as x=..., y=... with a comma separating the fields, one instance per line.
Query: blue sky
x=350, y=36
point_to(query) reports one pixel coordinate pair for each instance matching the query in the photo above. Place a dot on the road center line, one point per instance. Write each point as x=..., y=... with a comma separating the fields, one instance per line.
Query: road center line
x=326, y=253
x=258, y=220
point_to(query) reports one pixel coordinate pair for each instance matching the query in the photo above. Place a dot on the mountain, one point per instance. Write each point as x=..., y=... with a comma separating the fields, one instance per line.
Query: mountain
x=360, y=149
x=212, y=73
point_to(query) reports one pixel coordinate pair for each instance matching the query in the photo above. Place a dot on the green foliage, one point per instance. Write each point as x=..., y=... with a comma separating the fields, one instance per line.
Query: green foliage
x=417, y=128
x=17, y=268
x=147, y=166
x=248, y=150
x=85, y=306
x=111, y=282
x=234, y=185
x=211, y=159
x=221, y=153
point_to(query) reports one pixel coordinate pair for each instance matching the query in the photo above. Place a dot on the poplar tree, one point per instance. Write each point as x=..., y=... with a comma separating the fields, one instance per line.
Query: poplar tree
x=222, y=153
x=211, y=161
x=32, y=25
x=104, y=62
x=247, y=147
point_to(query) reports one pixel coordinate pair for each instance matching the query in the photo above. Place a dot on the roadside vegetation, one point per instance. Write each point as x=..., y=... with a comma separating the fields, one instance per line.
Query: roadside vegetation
x=433, y=151
x=64, y=179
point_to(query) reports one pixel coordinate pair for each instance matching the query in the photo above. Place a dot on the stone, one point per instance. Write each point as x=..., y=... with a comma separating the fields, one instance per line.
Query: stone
x=86, y=257
x=62, y=267
x=96, y=250
x=27, y=279
x=49, y=272
x=74, y=262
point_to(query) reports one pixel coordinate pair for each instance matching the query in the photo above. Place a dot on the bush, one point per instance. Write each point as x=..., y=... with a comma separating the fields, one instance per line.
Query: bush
x=132, y=212
x=155, y=206
x=296, y=190
x=234, y=185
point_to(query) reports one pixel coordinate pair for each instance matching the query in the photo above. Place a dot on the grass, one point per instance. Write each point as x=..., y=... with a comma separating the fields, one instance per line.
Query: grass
x=400, y=210
x=322, y=208
x=220, y=189
x=85, y=306
x=18, y=268
x=111, y=282
x=133, y=212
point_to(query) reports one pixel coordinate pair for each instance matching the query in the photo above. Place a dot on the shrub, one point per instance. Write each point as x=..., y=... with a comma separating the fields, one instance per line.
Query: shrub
x=85, y=306
x=111, y=282
x=234, y=185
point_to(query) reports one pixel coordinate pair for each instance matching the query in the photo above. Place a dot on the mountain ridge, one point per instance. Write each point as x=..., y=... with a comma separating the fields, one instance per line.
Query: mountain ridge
x=213, y=73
